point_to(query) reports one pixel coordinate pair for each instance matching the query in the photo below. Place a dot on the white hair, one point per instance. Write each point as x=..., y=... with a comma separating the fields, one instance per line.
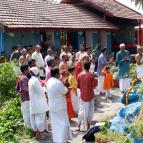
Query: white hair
x=37, y=46
x=122, y=45
x=23, y=50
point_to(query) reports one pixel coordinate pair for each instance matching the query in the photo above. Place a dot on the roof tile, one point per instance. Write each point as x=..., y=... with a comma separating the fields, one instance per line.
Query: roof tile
x=111, y=7
x=30, y=14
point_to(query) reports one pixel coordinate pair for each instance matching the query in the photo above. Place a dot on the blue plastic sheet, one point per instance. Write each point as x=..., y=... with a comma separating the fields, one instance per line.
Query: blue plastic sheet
x=130, y=110
x=132, y=98
x=133, y=95
x=134, y=139
x=138, y=140
x=118, y=123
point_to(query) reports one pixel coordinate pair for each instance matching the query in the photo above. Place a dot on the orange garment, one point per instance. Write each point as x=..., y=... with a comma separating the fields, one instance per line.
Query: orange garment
x=108, y=80
x=70, y=110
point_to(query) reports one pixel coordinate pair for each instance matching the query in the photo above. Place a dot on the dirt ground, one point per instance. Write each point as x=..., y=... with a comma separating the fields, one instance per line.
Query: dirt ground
x=103, y=110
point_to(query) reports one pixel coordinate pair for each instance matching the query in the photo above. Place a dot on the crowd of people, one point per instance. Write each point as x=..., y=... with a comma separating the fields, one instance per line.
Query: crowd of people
x=65, y=86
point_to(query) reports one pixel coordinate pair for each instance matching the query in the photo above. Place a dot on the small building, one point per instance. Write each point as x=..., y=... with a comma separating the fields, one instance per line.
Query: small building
x=98, y=23
x=28, y=22
x=120, y=15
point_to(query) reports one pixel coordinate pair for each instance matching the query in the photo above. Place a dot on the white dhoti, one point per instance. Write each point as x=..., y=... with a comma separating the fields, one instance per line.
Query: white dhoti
x=124, y=84
x=108, y=93
x=92, y=68
x=60, y=126
x=39, y=122
x=100, y=84
x=25, y=108
x=75, y=101
x=86, y=112
x=41, y=73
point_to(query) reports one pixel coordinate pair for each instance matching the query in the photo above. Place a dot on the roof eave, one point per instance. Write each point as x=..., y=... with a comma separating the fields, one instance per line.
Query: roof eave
x=32, y=29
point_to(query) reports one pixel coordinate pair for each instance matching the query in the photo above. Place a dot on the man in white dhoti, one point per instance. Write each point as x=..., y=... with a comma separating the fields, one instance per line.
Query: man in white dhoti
x=58, y=109
x=102, y=62
x=86, y=84
x=38, y=105
x=37, y=56
x=139, y=62
x=123, y=61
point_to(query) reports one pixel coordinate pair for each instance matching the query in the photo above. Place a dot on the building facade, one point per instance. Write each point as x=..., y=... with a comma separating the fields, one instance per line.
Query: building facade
x=96, y=23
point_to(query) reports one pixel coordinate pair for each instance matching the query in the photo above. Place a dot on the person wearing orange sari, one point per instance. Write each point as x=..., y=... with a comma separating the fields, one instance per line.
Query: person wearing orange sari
x=63, y=67
x=108, y=81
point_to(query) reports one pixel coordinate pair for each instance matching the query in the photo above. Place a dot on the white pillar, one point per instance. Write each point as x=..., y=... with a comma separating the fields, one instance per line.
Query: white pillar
x=89, y=39
x=103, y=37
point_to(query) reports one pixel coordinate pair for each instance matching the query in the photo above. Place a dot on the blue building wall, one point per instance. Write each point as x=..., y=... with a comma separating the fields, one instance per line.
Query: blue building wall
x=74, y=40
x=96, y=40
x=124, y=35
x=80, y=39
x=22, y=38
x=109, y=42
x=57, y=40
x=1, y=43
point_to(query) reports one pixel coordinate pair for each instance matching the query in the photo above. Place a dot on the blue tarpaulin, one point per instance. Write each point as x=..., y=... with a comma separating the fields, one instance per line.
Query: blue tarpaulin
x=128, y=113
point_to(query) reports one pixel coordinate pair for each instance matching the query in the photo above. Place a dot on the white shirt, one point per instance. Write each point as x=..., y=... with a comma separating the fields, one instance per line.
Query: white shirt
x=69, y=55
x=48, y=57
x=56, y=95
x=38, y=58
x=78, y=54
x=38, y=102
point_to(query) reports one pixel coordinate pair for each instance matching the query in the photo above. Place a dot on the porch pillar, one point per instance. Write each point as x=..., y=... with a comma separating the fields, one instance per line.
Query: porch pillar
x=89, y=39
x=140, y=40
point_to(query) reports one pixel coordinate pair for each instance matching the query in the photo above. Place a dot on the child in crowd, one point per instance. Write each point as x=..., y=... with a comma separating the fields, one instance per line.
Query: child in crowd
x=108, y=81
x=73, y=89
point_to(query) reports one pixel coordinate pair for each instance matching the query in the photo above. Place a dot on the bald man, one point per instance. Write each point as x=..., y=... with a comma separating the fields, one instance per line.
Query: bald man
x=139, y=56
x=139, y=62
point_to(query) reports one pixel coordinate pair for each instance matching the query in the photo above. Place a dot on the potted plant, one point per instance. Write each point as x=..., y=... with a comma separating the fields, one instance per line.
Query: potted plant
x=111, y=137
x=106, y=136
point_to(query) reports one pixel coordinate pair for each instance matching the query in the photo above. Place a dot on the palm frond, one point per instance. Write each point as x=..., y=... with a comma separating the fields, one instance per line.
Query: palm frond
x=138, y=3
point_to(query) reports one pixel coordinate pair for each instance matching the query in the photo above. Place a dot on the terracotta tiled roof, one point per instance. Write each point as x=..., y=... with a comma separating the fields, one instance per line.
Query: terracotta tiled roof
x=117, y=9
x=26, y=14
x=111, y=7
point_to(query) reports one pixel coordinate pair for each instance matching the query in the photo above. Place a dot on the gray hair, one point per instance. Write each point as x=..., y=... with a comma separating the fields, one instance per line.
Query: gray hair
x=122, y=45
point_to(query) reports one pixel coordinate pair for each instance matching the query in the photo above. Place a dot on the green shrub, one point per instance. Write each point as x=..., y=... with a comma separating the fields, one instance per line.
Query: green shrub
x=106, y=136
x=132, y=70
x=10, y=119
x=8, y=75
x=111, y=137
